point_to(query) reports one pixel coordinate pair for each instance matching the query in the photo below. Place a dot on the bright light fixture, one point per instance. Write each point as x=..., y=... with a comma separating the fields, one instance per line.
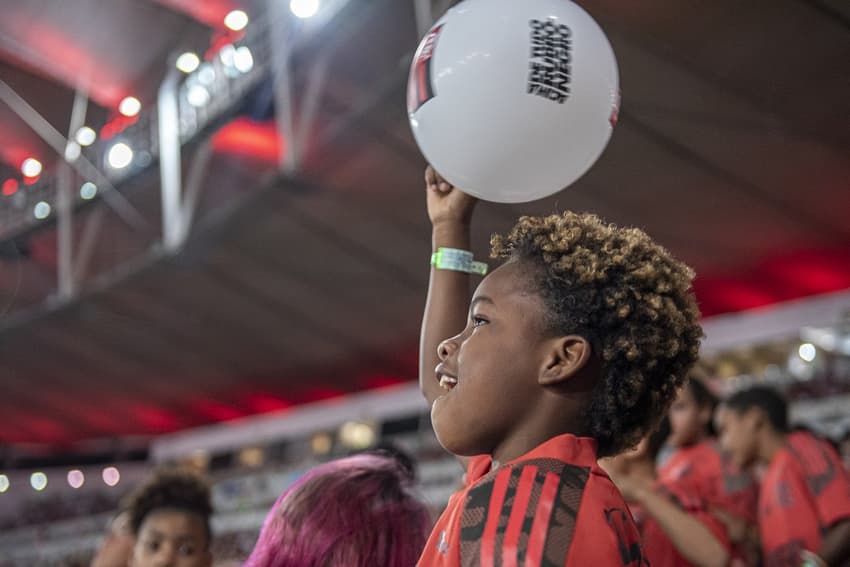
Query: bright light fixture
x=88, y=190
x=38, y=481
x=111, y=476
x=31, y=167
x=86, y=136
x=41, y=210
x=119, y=156
x=72, y=151
x=198, y=96
x=236, y=20
x=243, y=60
x=206, y=74
x=807, y=352
x=304, y=8
x=76, y=478
x=188, y=62
x=130, y=106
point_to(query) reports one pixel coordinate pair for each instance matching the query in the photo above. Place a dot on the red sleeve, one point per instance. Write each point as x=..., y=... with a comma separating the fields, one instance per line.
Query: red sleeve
x=605, y=532
x=825, y=478
x=788, y=519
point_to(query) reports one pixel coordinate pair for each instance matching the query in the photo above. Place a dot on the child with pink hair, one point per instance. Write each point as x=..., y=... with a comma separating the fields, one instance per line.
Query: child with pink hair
x=357, y=511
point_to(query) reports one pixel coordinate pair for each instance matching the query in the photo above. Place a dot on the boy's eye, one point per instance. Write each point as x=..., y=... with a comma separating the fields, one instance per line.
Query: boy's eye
x=186, y=549
x=478, y=321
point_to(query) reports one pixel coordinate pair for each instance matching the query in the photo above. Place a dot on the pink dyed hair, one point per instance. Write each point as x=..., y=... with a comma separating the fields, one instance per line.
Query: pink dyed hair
x=353, y=512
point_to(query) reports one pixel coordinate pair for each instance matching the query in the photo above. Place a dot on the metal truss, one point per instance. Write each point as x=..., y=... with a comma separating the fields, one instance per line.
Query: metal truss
x=162, y=136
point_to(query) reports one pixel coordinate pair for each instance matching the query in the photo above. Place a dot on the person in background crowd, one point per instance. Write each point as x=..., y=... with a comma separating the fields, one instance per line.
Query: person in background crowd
x=804, y=499
x=170, y=517
x=354, y=512
x=802, y=437
x=677, y=529
x=699, y=467
x=117, y=545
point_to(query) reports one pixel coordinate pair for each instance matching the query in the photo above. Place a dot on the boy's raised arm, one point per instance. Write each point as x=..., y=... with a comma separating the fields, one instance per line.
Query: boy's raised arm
x=450, y=211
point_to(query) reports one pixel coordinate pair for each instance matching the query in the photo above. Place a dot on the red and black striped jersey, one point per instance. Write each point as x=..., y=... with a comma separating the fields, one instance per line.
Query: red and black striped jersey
x=704, y=471
x=804, y=491
x=552, y=507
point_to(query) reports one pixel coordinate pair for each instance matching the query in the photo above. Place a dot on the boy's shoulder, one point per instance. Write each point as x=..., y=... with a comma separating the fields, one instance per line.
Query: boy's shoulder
x=545, y=510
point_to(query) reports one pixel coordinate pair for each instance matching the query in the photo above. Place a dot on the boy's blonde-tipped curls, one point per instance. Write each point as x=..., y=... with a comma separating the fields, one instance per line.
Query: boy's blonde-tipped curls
x=630, y=298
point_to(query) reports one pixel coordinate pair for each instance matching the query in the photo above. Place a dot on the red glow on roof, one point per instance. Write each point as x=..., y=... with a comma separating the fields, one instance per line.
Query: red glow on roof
x=209, y=12
x=216, y=411
x=156, y=419
x=45, y=429
x=376, y=381
x=265, y=403
x=117, y=125
x=62, y=54
x=245, y=137
x=319, y=394
x=10, y=186
x=783, y=277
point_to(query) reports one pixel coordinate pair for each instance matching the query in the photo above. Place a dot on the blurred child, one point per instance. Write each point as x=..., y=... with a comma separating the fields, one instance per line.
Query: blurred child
x=699, y=467
x=354, y=512
x=677, y=527
x=804, y=499
x=572, y=349
x=170, y=517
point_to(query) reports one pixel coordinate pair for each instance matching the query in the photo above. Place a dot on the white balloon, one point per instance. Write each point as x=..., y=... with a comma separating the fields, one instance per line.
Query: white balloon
x=513, y=100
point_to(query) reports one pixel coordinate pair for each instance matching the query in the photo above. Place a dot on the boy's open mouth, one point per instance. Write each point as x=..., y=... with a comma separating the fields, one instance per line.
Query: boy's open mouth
x=447, y=381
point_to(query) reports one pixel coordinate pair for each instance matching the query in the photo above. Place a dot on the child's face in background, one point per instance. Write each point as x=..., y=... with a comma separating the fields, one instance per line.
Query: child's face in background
x=688, y=421
x=737, y=435
x=172, y=538
x=496, y=360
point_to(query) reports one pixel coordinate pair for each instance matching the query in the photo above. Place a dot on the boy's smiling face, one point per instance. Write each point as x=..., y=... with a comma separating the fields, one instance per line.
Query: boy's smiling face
x=496, y=362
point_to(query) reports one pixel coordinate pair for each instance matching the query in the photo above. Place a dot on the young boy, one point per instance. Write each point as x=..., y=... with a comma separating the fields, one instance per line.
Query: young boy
x=699, y=467
x=170, y=517
x=804, y=499
x=573, y=349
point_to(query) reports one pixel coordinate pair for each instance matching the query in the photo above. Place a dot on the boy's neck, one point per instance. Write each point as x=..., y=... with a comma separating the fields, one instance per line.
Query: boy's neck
x=539, y=427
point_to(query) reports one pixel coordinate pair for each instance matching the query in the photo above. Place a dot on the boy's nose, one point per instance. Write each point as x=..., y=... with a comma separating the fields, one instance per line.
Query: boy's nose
x=446, y=349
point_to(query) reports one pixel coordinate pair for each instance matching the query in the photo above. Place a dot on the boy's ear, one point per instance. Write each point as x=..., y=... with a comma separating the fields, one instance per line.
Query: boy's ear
x=565, y=357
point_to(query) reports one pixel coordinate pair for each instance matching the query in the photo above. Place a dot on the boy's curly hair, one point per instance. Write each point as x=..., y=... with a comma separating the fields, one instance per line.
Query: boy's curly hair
x=172, y=489
x=629, y=298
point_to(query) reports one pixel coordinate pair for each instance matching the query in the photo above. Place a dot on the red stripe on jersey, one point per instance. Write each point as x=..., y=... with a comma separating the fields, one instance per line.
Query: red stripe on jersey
x=497, y=502
x=540, y=528
x=518, y=511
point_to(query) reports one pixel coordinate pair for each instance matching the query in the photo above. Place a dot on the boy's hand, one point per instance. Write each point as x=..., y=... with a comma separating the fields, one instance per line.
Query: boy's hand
x=447, y=204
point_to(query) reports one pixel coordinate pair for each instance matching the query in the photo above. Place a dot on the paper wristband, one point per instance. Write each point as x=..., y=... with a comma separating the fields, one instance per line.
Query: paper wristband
x=458, y=261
